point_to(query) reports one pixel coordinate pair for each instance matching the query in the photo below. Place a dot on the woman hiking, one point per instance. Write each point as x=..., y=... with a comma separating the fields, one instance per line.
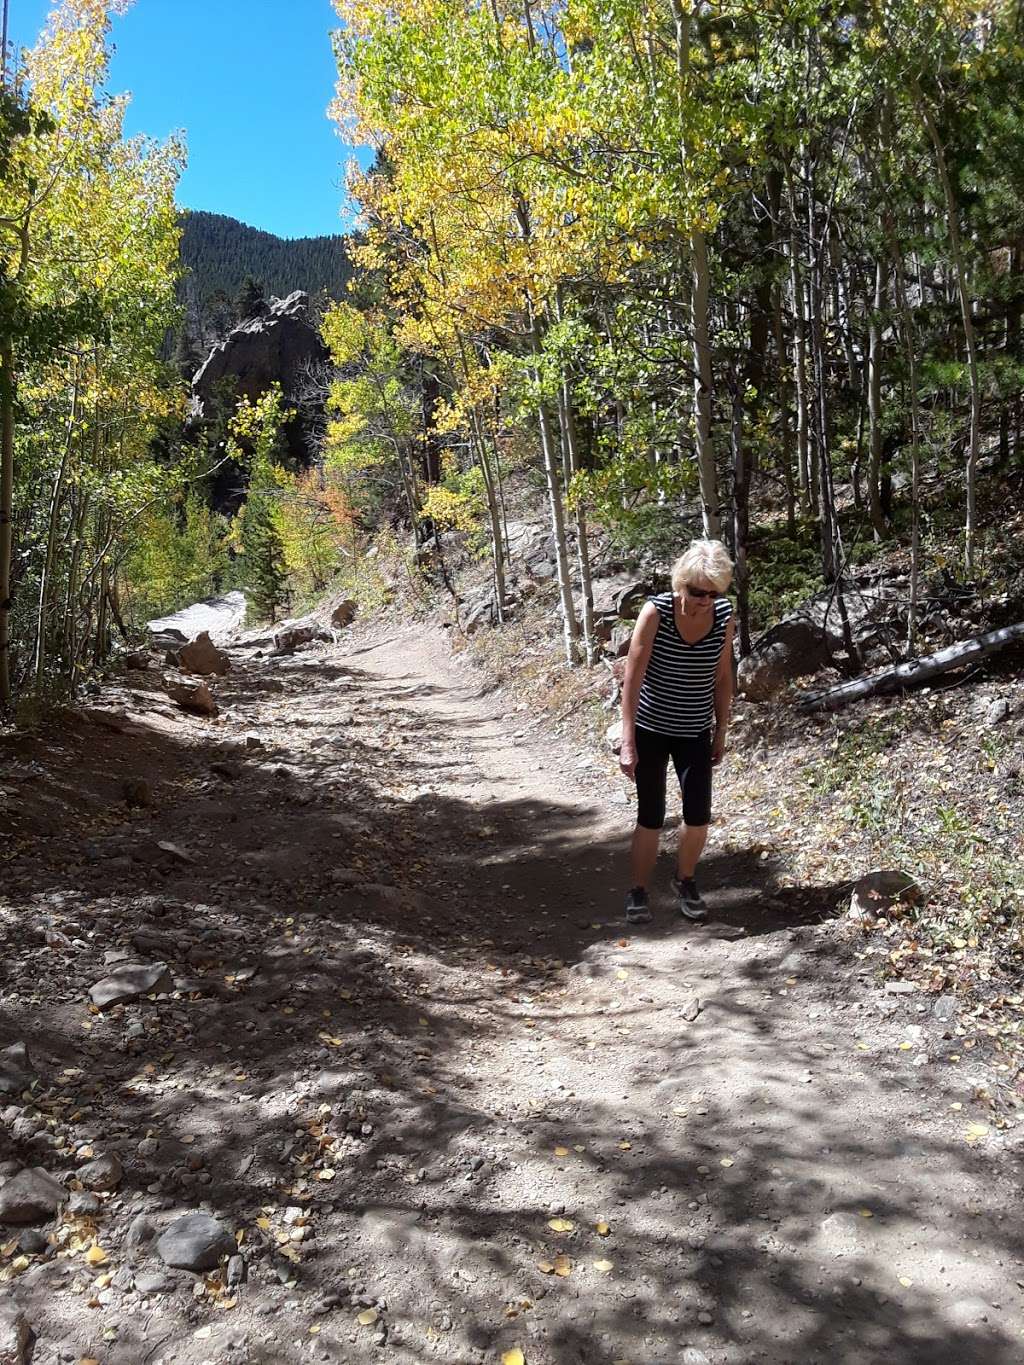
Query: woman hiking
x=675, y=704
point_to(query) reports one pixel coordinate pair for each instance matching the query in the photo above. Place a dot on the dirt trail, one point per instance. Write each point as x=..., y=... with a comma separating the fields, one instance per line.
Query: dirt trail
x=409, y=1013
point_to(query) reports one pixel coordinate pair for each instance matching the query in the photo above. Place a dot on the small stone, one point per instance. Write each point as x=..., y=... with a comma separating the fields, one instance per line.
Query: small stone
x=689, y=1012
x=17, y=1338
x=32, y=1242
x=124, y=1279
x=16, y=1072
x=84, y=1203
x=153, y=1282
x=138, y=1237
x=32, y=1196
x=998, y=712
x=196, y=1241
x=945, y=1008
x=705, y=1318
x=236, y=1272
x=130, y=982
x=103, y=1173
x=901, y=987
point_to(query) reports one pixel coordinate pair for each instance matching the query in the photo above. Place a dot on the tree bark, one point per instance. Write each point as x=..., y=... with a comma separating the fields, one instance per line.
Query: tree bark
x=875, y=405
x=552, y=475
x=6, y=514
x=707, y=472
x=970, y=341
x=914, y=671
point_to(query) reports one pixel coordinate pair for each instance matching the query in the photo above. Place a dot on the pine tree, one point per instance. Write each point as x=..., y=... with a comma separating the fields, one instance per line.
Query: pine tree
x=251, y=300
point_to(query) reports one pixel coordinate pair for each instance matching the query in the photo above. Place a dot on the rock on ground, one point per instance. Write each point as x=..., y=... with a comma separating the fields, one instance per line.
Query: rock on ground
x=191, y=696
x=202, y=656
x=16, y=1336
x=196, y=1241
x=103, y=1173
x=31, y=1196
x=879, y=892
x=15, y=1069
x=131, y=981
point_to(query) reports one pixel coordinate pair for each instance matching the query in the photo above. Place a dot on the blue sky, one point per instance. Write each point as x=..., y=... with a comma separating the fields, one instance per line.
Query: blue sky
x=249, y=82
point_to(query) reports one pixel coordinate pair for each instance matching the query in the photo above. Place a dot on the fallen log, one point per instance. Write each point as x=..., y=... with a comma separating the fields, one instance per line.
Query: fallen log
x=914, y=671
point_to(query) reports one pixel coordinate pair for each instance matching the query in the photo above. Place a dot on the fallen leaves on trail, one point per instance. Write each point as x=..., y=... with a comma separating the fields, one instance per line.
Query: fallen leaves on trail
x=562, y=1266
x=561, y=1151
x=905, y=1282
x=975, y=1131
x=561, y=1225
x=368, y=1317
x=865, y=1213
x=96, y=1255
x=726, y=1161
x=602, y=1229
x=513, y=1357
x=603, y=1266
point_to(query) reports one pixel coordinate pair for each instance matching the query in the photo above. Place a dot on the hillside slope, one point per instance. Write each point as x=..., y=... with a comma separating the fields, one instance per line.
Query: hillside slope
x=219, y=253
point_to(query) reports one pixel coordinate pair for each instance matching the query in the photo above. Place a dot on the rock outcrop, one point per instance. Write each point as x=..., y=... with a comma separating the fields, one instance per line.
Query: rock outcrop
x=812, y=637
x=277, y=347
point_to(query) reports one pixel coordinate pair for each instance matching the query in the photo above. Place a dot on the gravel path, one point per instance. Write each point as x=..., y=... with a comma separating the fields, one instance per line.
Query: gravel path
x=446, y=1104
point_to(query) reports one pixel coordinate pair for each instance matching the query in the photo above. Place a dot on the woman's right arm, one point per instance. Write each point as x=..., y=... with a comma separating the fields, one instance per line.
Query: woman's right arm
x=636, y=666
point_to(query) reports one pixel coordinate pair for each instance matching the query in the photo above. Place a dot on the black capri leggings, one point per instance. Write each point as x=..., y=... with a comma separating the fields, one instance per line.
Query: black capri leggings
x=691, y=756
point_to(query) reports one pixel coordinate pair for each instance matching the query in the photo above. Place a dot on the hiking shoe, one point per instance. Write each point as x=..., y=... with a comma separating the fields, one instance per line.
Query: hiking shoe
x=691, y=904
x=637, y=909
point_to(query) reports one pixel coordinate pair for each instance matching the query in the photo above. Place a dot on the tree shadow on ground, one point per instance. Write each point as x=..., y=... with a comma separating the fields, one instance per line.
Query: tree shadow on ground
x=383, y=984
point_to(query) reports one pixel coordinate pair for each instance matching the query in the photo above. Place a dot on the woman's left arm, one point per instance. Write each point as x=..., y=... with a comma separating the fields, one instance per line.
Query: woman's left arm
x=723, y=694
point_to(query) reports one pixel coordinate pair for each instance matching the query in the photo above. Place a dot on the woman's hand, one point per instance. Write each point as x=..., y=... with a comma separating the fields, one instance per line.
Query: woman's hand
x=627, y=758
x=717, y=748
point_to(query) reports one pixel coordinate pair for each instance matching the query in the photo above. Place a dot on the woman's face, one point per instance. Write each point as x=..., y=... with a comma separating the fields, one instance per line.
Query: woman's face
x=698, y=597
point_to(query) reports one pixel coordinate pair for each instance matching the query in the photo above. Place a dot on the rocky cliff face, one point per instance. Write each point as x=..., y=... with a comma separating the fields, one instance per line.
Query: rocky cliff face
x=280, y=346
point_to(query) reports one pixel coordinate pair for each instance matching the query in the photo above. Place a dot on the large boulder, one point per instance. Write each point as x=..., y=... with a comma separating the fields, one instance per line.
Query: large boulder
x=279, y=347
x=796, y=646
x=811, y=638
x=202, y=656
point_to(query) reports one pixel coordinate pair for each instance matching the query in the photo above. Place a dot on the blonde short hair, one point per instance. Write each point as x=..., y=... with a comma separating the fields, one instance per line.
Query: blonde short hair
x=704, y=559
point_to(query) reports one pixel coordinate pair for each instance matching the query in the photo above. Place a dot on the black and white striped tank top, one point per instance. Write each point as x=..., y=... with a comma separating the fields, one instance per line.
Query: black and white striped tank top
x=677, y=695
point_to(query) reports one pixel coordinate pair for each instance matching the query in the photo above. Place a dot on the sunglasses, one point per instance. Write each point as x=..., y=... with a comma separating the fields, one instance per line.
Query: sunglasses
x=701, y=592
